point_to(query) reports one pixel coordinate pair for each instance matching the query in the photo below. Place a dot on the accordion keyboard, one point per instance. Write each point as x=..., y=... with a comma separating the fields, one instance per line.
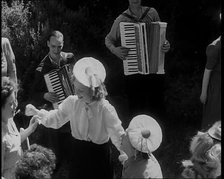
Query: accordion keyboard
x=131, y=62
x=53, y=84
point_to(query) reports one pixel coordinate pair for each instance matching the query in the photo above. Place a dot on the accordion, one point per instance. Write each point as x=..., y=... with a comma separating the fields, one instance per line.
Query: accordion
x=59, y=81
x=144, y=42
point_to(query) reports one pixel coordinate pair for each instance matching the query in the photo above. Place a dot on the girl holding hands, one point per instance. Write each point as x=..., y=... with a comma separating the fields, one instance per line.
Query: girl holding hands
x=92, y=118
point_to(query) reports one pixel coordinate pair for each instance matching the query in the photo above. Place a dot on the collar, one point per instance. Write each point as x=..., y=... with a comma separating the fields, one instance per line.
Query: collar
x=53, y=62
x=128, y=11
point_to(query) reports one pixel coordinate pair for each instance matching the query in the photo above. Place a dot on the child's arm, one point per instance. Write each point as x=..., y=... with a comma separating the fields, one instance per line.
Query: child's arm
x=54, y=118
x=113, y=125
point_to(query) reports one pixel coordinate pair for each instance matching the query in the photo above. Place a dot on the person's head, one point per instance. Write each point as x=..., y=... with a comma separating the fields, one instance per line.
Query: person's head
x=143, y=135
x=37, y=162
x=88, y=77
x=8, y=99
x=55, y=43
x=205, y=148
x=135, y=2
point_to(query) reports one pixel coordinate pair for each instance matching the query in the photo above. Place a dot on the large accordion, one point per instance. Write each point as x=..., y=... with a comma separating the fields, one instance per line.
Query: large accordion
x=144, y=42
x=59, y=81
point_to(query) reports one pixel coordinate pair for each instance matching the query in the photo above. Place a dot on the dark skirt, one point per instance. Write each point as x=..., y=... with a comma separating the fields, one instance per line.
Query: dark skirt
x=212, y=108
x=90, y=160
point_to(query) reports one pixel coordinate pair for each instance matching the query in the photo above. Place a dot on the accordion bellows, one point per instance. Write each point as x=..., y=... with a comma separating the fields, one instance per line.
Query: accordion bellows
x=144, y=42
x=59, y=81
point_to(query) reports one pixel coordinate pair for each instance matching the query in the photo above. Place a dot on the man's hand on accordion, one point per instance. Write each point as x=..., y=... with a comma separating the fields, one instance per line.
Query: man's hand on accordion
x=51, y=97
x=166, y=46
x=121, y=52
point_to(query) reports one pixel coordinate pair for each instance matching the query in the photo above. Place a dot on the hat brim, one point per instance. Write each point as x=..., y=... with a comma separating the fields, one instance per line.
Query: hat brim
x=137, y=125
x=97, y=68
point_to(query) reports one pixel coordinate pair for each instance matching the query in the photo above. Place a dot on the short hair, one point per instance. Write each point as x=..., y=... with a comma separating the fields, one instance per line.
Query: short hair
x=37, y=162
x=8, y=87
x=56, y=34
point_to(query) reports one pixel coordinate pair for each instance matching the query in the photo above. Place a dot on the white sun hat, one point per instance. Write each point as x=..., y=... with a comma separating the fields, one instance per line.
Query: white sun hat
x=144, y=133
x=89, y=71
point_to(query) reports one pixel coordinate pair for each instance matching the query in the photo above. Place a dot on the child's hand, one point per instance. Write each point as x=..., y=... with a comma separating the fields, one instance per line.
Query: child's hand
x=122, y=157
x=31, y=110
x=34, y=122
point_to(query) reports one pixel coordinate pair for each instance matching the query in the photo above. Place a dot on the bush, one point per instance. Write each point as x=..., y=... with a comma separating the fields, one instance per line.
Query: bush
x=23, y=35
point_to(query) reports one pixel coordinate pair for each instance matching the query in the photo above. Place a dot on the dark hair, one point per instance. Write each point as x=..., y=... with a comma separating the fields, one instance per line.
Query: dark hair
x=36, y=163
x=8, y=87
x=55, y=33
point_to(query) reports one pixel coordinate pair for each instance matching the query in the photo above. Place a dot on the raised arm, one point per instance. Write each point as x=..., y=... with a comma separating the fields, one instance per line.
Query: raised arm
x=10, y=57
x=54, y=118
x=29, y=130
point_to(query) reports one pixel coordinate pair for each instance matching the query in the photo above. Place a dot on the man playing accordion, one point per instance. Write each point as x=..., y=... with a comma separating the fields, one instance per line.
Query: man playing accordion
x=144, y=92
x=40, y=97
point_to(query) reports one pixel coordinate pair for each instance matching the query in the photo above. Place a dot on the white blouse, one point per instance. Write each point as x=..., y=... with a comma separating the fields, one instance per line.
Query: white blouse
x=94, y=122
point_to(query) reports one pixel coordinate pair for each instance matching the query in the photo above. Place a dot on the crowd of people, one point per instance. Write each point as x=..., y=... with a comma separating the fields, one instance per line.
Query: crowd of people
x=85, y=124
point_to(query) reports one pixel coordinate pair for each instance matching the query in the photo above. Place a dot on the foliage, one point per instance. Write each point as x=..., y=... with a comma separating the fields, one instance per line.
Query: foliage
x=23, y=35
x=15, y=23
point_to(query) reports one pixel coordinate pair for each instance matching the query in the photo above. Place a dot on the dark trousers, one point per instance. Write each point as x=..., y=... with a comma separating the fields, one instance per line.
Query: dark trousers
x=90, y=160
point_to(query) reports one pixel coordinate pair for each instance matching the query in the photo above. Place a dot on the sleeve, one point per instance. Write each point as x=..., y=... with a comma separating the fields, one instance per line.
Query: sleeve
x=113, y=37
x=113, y=125
x=155, y=15
x=58, y=117
x=10, y=61
x=212, y=57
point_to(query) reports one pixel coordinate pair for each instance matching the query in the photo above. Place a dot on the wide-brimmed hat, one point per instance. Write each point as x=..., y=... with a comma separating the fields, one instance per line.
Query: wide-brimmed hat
x=89, y=71
x=215, y=131
x=144, y=133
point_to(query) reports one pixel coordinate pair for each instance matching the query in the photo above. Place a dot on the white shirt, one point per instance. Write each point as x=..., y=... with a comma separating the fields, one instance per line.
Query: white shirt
x=94, y=122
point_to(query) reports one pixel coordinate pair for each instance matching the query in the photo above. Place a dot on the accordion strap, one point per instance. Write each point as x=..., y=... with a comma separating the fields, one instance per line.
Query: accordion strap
x=133, y=18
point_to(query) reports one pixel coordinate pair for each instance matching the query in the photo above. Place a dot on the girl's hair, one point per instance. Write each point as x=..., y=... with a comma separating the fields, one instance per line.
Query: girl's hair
x=8, y=87
x=99, y=92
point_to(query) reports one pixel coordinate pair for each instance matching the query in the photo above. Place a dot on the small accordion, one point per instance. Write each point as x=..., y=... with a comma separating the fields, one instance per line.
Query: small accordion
x=59, y=81
x=144, y=42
